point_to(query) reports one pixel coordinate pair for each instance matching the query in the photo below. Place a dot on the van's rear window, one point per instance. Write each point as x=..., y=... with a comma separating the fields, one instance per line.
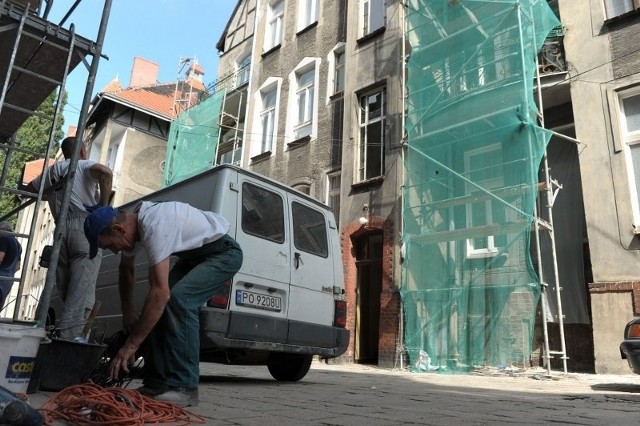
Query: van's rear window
x=262, y=213
x=309, y=230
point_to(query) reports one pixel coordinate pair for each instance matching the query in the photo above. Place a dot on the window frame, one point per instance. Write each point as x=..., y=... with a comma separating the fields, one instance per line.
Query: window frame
x=243, y=70
x=244, y=222
x=615, y=8
x=492, y=249
x=308, y=13
x=333, y=193
x=274, y=26
x=232, y=147
x=333, y=71
x=268, y=112
x=630, y=140
x=366, y=27
x=304, y=98
x=339, y=70
x=303, y=187
x=304, y=228
x=294, y=125
x=258, y=145
x=361, y=168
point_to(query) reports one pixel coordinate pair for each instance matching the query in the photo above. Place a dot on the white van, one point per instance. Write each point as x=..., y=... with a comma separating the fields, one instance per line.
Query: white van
x=286, y=303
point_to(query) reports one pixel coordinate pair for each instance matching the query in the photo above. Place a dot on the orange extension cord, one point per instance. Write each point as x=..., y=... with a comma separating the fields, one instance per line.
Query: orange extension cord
x=90, y=404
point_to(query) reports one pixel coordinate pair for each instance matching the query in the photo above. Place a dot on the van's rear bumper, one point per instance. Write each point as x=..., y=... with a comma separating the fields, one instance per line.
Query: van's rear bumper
x=222, y=329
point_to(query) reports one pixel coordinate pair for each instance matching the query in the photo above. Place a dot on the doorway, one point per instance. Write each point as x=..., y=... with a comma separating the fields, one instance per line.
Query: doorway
x=368, y=250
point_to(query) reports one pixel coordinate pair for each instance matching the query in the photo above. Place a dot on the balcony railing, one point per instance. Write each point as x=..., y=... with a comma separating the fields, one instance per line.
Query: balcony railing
x=231, y=80
x=551, y=58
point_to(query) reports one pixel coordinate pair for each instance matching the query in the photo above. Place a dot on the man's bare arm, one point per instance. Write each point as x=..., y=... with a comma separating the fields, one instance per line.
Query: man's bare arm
x=104, y=176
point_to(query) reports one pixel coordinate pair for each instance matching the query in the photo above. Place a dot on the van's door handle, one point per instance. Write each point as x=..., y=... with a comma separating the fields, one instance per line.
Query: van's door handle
x=296, y=260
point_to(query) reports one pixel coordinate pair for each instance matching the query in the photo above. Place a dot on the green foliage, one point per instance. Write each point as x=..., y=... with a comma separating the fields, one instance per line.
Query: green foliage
x=33, y=135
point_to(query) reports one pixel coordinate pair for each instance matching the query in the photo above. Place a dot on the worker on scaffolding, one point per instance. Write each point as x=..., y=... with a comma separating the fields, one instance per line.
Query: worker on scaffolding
x=76, y=272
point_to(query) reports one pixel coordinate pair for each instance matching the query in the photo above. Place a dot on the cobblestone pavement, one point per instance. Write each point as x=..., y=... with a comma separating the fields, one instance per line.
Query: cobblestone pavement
x=364, y=395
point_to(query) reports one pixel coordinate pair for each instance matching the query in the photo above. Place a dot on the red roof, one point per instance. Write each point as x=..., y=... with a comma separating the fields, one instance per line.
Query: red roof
x=196, y=68
x=157, y=98
x=195, y=84
x=33, y=169
x=160, y=103
x=112, y=86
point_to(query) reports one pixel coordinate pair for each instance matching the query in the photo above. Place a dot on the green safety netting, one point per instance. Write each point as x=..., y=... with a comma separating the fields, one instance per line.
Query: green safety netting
x=469, y=289
x=193, y=140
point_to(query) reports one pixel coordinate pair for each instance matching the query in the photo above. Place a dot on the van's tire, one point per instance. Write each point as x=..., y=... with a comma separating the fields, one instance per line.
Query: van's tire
x=289, y=367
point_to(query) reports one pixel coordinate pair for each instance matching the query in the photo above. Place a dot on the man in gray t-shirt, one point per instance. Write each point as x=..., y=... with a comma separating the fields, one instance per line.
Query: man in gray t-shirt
x=76, y=273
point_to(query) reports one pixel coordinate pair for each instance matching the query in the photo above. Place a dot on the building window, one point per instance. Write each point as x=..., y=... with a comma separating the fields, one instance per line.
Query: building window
x=273, y=36
x=267, y=119
x=373, y=117
x=615, y=8
x=335, y=71
x=229, y=152
x=333, y=194
x=307, y=13
x=305, y=188
x=339, y=73
x=372, y=15
x=243, y=68
x=629, y=107
x=304, y=104
x=483, y=167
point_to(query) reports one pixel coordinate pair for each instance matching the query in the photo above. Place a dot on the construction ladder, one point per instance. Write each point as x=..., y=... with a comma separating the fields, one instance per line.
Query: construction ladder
x=15, y=72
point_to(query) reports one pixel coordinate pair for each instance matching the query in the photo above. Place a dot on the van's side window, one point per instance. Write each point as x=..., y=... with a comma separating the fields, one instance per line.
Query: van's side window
x=262, y=213
x=309, y=230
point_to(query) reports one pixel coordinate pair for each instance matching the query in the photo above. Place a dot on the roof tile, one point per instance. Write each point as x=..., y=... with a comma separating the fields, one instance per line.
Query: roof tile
x=157, y=98
x=33, y=169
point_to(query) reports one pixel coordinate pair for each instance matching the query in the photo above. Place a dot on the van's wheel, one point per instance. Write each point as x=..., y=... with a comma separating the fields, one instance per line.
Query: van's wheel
x=289, y=367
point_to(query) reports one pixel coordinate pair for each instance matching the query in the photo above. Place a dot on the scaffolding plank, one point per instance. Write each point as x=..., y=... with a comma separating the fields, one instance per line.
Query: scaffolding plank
x=47, y=59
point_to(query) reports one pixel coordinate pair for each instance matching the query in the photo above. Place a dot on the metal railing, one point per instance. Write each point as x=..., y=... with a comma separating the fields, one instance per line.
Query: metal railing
x=551, y=58
x=230, y=80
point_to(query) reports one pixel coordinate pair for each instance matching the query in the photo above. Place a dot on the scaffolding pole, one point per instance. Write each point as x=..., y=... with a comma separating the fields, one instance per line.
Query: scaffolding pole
x=547, y=188
x=45, y=298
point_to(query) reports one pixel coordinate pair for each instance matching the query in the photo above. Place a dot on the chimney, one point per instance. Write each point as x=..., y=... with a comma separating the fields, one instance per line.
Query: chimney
x=195, y=71
x=143, y=73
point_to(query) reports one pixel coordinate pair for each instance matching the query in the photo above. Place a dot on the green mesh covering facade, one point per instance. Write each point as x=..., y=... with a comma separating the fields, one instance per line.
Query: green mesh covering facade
x=469, y=290
x=193, y=140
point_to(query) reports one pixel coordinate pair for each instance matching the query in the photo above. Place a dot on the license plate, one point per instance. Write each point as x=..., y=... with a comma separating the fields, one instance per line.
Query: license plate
x=258, y=301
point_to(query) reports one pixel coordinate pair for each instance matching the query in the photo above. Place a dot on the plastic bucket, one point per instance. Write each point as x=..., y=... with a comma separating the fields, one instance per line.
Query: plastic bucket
x=18, y=349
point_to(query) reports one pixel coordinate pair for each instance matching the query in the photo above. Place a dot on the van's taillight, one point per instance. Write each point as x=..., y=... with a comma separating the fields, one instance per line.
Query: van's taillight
x=221, y=298
x=340, y=316
x=633, y=331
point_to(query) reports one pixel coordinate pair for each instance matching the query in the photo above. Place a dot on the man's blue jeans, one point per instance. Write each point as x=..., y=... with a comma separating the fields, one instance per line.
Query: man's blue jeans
x=172, y=355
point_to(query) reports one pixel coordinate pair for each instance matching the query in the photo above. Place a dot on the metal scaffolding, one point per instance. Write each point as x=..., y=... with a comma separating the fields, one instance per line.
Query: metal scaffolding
x=36, y=57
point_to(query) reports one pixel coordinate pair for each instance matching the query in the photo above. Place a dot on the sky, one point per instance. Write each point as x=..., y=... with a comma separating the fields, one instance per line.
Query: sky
x=161, y=31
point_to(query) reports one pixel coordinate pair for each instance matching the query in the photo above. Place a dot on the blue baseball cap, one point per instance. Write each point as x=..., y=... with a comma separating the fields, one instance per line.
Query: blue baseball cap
x=95, y=224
